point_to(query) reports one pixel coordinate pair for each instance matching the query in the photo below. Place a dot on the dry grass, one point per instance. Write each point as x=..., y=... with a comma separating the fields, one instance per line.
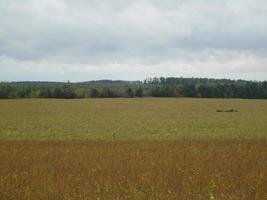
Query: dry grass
x=196, y=169
x=133, y=149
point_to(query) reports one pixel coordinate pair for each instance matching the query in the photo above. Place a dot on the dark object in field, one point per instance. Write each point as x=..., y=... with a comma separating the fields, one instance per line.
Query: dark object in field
x=230, y=110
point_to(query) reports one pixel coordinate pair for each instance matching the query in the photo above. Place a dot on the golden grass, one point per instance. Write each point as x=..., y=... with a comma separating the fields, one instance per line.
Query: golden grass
x=186, y=169
x=123, y=119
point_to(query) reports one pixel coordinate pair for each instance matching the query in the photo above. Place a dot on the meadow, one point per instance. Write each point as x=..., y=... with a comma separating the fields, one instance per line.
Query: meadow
x=124, y=119
x=147, y=148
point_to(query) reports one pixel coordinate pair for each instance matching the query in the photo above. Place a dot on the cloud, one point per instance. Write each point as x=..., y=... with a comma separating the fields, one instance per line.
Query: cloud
x=84, y=40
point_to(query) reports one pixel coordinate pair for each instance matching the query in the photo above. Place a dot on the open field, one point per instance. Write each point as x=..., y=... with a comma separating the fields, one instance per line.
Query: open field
x=150, y=148
x=123, y=119
x=133, y=170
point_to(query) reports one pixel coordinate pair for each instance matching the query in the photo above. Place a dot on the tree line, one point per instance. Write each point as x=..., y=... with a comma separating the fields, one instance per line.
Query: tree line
x=154, y=87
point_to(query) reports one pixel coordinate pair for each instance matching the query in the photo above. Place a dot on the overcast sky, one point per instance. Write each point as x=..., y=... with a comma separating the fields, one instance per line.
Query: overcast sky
x=78, y=40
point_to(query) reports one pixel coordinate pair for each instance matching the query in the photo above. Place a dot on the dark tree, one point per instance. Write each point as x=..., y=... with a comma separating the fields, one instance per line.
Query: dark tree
x=139, y=92
x=130, y=92
x=189, y=90
x=156, y=92
x=6, y=91
x=45, y=93
x=107, y=93
x=94, y=93
x=204, y=91
x=158, y=87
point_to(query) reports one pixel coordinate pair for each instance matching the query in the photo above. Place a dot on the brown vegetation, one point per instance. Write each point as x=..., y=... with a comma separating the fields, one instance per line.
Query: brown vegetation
x=203, y=169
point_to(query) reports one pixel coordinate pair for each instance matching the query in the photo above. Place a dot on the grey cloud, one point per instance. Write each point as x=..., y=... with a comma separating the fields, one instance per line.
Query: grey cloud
x=143, y=38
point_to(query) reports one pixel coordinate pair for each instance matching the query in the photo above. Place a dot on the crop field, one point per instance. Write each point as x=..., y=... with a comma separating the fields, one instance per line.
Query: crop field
x=147, y=148
x=124, y=119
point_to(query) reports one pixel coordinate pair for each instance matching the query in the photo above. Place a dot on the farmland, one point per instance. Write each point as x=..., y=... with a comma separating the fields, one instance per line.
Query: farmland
x=123, y=119
x=150, y=148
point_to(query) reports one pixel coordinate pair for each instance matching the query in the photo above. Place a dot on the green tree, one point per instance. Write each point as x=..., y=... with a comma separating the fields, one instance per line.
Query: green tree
x=130, y=92
x=45, y=93
x=94, y=93
x=107, y=93
x=189, y=90
x=139, y=92
x=7, y=91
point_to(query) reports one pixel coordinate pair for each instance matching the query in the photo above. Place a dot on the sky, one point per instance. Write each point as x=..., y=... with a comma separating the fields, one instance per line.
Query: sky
x=80, y=40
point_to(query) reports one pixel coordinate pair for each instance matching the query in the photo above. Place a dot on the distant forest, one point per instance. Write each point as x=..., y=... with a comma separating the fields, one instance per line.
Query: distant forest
x=150, y=87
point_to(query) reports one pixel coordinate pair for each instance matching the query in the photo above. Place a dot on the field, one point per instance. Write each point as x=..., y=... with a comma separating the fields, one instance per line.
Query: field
x=149, y=148
x=124, y=119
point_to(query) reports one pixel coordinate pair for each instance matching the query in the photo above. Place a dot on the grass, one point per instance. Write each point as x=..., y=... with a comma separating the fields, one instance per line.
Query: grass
x=135, y=119
x=133, y=170
x=149, y=148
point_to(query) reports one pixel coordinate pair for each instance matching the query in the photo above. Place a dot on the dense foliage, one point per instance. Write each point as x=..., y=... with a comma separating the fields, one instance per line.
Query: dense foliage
x=156, y=87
